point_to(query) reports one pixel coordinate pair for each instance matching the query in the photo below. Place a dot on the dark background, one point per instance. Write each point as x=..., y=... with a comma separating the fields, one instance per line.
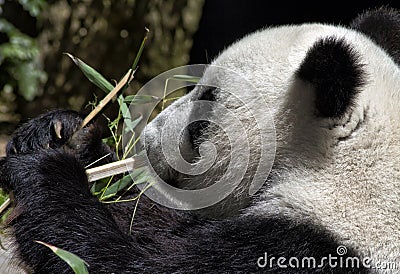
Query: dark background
x=225, y=21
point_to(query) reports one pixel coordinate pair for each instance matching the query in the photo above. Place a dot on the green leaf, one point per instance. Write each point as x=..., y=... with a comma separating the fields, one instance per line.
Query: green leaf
x=109, y=141
x=131, y=124
x=19, y=56
x=139, y=53
x=77, y=264
x=117, y=186
x=187, y=78
x=34, y=7
x=7, y=27
x=124, y=108
x=18, y=52
x=98, y=186
x=3, y=196
x=138, y=175
x=126, y=114
x=140, y=99
x=93, y=76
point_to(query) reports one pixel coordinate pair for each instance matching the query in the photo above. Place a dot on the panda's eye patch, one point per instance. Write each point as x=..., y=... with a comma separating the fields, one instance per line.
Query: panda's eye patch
x=196, y=130
x=208, y=94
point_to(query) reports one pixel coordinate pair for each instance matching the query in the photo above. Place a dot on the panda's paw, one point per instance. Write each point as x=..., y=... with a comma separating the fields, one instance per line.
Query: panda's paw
x=50, y=130
x=58, y=129
x=87, y=145
x=61, y=130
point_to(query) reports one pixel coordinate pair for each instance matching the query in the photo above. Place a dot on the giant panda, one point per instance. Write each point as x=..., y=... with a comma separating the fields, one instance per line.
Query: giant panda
x=330, y=198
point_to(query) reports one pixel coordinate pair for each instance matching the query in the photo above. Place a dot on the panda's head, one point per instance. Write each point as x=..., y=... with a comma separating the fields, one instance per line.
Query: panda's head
x=293, y=105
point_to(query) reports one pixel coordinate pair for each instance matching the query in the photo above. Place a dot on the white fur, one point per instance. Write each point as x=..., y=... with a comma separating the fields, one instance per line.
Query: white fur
x=350, y=186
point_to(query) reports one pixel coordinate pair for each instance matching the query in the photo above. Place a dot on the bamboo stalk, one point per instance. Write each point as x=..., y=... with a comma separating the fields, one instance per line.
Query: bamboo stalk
x=95, y=174
x=110, y=169
x=127, y=78
x=5, y=205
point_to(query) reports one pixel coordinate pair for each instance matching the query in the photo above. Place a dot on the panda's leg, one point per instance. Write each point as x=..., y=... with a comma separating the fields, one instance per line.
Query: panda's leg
x=55, y=206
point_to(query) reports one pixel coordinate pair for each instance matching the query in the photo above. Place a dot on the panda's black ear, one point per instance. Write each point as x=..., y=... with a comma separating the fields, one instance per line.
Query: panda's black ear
x=332, y=67
x=382, y=25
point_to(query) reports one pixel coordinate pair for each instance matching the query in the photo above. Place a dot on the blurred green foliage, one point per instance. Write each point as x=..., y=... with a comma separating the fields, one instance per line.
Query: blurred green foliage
x=36, y=76
x=20, y=68
x=34, y=7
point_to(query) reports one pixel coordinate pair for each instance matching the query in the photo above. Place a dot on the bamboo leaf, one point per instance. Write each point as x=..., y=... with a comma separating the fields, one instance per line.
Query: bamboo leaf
x=77, y=264
x=93, y=76
x=121, y=84
x=98, y=186
x=131, y=124
x=139, y=53
x=187, y=78
x=126, y=114
x=140, y=99
x=117, y=186
x=137, y=174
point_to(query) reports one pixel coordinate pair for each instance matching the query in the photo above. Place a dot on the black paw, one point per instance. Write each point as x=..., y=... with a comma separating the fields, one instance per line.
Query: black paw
x=61, y=130
x=50, y=130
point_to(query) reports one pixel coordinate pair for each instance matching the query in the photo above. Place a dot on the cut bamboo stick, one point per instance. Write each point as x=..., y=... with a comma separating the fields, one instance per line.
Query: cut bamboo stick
x=5, y=205
x=110, y=169
x=108, y=98
x=95, y=174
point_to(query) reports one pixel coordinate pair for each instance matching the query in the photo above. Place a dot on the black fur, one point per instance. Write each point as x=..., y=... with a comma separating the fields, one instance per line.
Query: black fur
x=209, y=94
x=383, y=27
x=334, y=69
x=198, y=128
x=39, y=133
x=54, y=205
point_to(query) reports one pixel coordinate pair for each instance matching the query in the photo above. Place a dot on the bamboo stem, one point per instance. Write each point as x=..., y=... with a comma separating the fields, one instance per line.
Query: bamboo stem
x=5, y=205
x=127, y=78
x=110, y=169
x=95, y=174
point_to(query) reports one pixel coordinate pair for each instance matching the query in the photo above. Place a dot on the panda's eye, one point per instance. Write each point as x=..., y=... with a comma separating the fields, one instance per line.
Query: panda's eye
x=196, y=130
x=208, y=94
x=352, y=125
